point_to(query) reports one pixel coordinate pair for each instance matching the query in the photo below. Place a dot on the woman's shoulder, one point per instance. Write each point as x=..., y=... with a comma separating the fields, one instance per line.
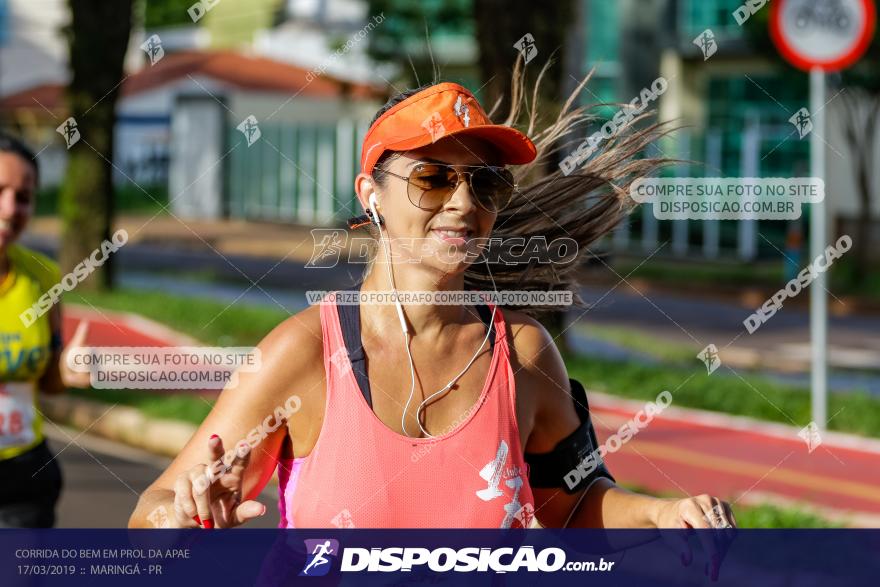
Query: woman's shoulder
x=294, y=344
x=534, y=354
x=529, y=339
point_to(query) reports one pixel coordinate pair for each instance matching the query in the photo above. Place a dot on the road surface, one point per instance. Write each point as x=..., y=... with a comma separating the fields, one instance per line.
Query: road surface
x=103, y=479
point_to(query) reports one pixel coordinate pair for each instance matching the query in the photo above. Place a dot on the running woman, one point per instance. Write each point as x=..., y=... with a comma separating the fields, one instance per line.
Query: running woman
x=31, y=357
x=425, y=415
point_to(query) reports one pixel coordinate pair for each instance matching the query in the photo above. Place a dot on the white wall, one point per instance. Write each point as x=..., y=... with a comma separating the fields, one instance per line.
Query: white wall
x=34, y=52
x=841, y=187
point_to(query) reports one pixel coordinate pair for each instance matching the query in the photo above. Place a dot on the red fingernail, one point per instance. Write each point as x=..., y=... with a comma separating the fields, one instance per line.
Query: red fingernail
x=213, y=436
x=197, y=519
x=208, y=523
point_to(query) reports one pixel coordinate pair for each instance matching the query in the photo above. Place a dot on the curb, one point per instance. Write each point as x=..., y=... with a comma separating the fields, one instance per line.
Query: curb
x=120, y=423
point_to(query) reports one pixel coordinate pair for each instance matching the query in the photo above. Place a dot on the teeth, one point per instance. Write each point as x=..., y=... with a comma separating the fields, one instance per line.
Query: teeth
x=453, y=233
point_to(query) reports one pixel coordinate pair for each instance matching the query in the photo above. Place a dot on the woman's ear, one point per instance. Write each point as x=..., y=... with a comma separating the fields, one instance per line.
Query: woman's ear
x=363, y=187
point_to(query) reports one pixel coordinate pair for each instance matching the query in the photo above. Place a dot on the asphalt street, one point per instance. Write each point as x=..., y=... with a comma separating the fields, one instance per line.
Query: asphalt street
x=103, y=480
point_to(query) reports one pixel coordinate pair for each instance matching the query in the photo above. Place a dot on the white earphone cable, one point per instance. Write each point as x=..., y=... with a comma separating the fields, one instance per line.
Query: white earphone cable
x=466, y=367
x=412, y=366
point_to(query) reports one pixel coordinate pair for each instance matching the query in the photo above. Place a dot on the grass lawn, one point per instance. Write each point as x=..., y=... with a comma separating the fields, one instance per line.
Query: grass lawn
x=673, y=273
x=770, y=516
x=725, y=391
x=212, y=322
x=760, y=274
x=216, y=324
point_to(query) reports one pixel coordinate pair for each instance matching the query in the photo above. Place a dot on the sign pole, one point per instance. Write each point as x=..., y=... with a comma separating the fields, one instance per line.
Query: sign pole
x=820, y=37
x=818, y=239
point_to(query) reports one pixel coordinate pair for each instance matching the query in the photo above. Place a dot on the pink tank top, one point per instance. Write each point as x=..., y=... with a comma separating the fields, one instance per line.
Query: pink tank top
x=362, y=474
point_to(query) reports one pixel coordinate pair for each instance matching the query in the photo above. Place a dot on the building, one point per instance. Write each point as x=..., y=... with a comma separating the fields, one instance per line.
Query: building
x=180, y=106
x=734, y=106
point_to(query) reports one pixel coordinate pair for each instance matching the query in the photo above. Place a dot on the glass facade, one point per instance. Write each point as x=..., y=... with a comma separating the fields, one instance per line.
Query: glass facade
x=765, y=102
x=4, y=21
x=603, y=53
x=695, y=16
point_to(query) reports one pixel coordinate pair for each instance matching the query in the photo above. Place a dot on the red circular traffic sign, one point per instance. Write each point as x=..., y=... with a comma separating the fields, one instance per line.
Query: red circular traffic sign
x=829, y=34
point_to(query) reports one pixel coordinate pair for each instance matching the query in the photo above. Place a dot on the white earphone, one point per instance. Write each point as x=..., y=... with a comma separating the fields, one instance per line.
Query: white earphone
x=377, y=220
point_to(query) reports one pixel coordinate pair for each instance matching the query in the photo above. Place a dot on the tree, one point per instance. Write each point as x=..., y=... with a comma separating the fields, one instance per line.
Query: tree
x=98, y=39
x=500, y=25
x=861, y=116
x=407, y=34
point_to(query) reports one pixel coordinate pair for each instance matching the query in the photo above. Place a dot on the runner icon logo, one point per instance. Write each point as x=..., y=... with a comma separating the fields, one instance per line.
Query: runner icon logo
x=321, y=554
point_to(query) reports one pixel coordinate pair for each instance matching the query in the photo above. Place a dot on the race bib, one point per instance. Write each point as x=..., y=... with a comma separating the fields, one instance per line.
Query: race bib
x=16, y=414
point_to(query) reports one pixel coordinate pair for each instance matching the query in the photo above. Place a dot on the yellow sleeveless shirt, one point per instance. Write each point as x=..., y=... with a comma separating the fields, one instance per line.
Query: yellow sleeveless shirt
x=24, y=351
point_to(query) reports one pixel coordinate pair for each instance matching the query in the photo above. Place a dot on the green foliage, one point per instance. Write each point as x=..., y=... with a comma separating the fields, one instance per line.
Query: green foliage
x=769, y=516
x=403, y=31
x=206, y=320
x=128, y=199
x=166, y=13
x=724, y=391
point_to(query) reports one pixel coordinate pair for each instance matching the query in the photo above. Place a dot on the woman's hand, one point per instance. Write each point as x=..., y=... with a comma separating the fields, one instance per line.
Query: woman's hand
x=700, y=512
x=210, y=495
x=69, y=377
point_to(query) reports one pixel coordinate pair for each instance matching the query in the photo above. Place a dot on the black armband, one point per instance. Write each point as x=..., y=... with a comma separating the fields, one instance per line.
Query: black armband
x=575, y=462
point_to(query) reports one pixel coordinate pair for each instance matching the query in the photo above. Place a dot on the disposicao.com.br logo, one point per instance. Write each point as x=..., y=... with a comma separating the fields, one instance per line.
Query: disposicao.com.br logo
x=444, y=559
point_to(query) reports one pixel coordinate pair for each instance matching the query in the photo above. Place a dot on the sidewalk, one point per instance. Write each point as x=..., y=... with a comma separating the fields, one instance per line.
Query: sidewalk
x=230, y=237
x=682, y=451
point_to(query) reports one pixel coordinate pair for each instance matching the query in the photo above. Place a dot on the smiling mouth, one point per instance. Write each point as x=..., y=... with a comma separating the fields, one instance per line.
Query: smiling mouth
x=453, y=234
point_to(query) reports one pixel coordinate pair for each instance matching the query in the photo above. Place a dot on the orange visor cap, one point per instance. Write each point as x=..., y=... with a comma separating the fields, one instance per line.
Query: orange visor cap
x=443, y=110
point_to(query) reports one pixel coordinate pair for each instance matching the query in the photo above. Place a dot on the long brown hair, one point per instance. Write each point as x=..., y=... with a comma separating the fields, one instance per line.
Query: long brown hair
x=584, y=205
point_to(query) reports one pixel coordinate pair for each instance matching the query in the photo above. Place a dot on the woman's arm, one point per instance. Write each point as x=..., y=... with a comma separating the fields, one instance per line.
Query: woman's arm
x=291, y=374
x=542, y=375
x=52, y=381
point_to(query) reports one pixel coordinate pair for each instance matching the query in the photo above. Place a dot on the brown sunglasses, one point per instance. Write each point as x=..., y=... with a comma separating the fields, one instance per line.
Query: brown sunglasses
x=432, y=184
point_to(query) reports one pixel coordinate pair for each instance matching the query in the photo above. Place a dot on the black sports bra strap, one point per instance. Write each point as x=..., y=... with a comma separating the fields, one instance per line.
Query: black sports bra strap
x=486, y=316
x=350, y=323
